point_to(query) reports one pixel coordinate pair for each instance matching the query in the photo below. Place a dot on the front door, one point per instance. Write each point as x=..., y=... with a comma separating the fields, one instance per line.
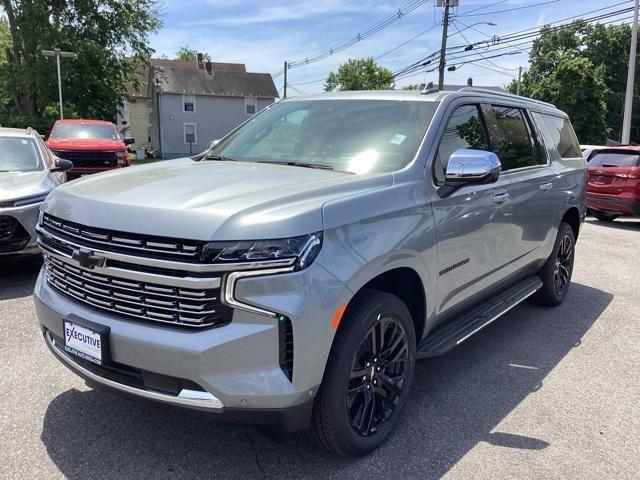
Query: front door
x=473, y=224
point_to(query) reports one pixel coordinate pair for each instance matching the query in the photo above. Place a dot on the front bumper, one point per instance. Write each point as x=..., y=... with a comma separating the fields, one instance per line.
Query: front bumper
x=236, y=366
x=27, y=218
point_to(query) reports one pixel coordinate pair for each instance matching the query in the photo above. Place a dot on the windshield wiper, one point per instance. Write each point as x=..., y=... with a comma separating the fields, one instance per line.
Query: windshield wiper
x=321, y=166
x=220, y=158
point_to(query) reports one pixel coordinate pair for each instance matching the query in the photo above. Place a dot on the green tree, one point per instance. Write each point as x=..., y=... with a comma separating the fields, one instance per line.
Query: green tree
x=188, y=54
x=359, y=74
x=108, y=36
x=603, y=51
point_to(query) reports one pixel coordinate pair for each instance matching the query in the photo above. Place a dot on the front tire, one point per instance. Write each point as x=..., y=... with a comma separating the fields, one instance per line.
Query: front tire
x=557, y=270
x=367, y=377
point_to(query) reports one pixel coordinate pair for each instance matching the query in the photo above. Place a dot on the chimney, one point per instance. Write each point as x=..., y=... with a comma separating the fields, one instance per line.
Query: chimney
x=209, y=67
x=200, y=60
x=469, y=82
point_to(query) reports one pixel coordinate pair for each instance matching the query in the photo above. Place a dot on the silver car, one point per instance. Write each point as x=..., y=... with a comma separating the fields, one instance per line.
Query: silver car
x=294, y=272
x=28, y=173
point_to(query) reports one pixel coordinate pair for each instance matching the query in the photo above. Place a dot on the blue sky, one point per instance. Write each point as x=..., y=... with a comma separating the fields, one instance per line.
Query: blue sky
x=262, y=34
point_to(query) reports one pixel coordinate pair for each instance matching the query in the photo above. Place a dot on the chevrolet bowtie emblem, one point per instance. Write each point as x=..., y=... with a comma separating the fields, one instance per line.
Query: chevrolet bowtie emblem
x=87, y=259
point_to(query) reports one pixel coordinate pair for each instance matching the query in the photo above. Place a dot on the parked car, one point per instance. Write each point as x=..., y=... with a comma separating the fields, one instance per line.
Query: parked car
x=92, y=145
x=589, y=150
x=293, y=273
x=614, y=183
x=28, y=172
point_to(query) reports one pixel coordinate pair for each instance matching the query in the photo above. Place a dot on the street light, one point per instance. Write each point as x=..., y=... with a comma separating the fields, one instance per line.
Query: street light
x=56, y=52
x=490, y=24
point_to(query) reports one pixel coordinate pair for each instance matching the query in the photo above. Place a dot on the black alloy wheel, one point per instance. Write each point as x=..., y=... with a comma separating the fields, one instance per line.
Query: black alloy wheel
x=377, y=376
x=563, y=265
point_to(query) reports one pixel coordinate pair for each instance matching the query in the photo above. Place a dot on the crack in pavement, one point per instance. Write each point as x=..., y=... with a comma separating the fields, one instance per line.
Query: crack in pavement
x=255, y=453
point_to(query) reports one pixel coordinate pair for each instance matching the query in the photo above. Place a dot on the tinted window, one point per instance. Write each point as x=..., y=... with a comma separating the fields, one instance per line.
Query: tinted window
x=105, y=132
x=19, y=155
x=563, y=136
x=358, y=136
x=510, y=138
x=615, y=159
x=465, y=129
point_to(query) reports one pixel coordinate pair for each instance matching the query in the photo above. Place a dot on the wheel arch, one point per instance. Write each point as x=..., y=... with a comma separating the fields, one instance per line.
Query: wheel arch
x=572, y=217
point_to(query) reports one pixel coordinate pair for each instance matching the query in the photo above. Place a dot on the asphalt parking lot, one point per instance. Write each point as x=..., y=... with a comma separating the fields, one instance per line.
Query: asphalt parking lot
x=541, y=393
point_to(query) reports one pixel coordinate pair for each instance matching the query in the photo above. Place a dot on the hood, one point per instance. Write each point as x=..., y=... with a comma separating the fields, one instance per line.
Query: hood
x=210, y=200
x=85, y=144
x=24, y=184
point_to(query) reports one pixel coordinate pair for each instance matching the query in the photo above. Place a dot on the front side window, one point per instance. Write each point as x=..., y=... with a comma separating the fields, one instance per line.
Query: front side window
x=357, y=136
x=18, y=154
x=80, y=130
x=465, y=129
x=563, y=136
x=190, y=133
x=510, y=138
x=189, y=103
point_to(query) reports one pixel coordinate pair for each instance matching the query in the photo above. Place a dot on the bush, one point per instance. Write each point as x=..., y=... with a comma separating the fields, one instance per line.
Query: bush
x=42, y=125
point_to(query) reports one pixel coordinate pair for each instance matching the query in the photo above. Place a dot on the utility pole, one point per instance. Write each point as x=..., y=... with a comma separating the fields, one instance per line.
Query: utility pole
x=284, y=94
x=445, y=32
x=519, y=80
x=628, y=99
x=56, y=52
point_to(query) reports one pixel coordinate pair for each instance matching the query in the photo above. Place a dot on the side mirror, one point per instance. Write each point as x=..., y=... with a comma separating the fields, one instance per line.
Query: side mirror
x=129, y=140
x=61, y=165
x=468, y=167
x=213, y=143
x=473, y=166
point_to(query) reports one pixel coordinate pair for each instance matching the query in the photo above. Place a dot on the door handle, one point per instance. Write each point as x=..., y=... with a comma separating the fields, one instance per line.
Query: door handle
x=500, y=198
x=546, y=186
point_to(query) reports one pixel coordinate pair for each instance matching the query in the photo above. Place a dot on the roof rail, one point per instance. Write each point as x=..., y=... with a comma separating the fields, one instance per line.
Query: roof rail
x=506, y=95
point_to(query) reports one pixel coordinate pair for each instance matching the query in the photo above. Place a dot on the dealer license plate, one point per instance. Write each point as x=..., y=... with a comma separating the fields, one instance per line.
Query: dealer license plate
x=84, y=342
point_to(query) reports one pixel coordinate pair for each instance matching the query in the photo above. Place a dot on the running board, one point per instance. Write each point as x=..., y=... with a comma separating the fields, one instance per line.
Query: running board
x=453, y=333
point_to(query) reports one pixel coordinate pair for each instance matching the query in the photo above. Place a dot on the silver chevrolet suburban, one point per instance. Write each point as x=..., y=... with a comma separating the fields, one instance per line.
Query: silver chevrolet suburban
x=294, y=272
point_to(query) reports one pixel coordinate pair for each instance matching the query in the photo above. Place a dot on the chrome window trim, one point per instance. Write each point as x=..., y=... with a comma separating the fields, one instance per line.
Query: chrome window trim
x=189, y=398
x=228, y=290
x=169, y=264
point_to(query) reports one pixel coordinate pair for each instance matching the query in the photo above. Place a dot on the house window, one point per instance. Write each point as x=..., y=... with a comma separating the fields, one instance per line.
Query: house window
x=189, y=103
x=190, y=133
x=250, y=105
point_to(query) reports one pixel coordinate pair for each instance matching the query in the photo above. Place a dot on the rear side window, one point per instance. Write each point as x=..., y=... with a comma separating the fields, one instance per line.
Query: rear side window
x=563, y=136
x=511, y=138
x=465, y=129
x=615, y=159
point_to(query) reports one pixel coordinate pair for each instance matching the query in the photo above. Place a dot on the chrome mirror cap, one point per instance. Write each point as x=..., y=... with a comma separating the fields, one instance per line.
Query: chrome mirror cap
x=472, y=166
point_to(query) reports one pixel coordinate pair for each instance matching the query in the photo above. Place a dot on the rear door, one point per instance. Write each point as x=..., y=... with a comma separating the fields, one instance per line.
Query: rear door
x=526, y=168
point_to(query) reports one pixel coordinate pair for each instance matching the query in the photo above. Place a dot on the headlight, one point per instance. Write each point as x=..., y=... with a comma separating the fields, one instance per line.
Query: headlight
x=21, y=202
x=303, y=250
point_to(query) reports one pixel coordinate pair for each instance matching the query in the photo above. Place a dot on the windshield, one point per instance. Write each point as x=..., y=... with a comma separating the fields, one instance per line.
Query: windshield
x=18, y=154
x=78, y=130
x=357, y=136
x=611, y=159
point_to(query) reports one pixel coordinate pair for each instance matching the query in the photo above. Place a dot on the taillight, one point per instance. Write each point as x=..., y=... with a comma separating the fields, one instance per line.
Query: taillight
x=123, y=157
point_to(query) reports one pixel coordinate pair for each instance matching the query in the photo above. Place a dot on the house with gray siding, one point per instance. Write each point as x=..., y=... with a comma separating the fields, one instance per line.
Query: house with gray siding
x=193, y=106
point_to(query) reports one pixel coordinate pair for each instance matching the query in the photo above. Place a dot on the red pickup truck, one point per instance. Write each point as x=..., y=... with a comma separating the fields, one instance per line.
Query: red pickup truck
x=92, y=145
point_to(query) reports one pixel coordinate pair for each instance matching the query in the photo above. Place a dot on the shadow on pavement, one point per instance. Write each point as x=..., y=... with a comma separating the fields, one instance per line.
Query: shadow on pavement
x=456, y=402
x=18, y=276
x=629, y=223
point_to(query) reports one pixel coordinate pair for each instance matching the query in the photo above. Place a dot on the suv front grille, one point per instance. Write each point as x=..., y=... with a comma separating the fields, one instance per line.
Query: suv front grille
x=127, y=243
x=89, y=159
x=13, y=236
x=140, y=300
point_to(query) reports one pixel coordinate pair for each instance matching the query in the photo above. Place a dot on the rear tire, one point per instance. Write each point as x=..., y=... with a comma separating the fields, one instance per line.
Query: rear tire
x=367, y=376
x=604, y=217
x=557, y=270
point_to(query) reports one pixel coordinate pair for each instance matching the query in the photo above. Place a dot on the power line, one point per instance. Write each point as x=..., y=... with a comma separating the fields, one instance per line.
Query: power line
x=368, y=32
x=482, y=8
x=507, y=10
x=408, y=41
